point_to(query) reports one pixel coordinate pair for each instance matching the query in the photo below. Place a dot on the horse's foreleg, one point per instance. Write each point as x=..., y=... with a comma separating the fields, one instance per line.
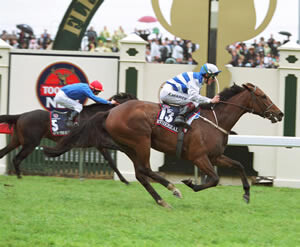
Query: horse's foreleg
x=207, y=168
x=112, y=164
x=25, y=151
x=225, y=161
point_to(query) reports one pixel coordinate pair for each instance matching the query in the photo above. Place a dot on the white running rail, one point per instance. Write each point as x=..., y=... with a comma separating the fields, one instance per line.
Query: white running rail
x=271, y=141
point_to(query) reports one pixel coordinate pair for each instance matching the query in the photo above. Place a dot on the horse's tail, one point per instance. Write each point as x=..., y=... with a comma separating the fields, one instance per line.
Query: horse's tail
x=90, y=133
x=9, y=119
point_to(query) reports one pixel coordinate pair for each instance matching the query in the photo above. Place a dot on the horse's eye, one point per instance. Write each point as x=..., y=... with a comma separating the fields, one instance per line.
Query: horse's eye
x=264, y=96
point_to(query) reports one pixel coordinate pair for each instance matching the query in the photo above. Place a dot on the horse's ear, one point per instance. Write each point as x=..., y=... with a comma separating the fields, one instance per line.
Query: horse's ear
x=246, y=86
x=249, y=86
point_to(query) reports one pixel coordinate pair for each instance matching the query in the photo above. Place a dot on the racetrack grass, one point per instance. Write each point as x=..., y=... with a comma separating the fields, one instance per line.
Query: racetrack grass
x=64, y=212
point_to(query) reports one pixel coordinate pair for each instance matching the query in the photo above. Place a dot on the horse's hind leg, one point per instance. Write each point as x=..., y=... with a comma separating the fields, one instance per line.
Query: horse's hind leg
x=225, y=161
x=203, y=163
x=112, y=164
x=140, y=159
x=25, y=151
x=176, y=192
x=14, y=143
x=142, y=179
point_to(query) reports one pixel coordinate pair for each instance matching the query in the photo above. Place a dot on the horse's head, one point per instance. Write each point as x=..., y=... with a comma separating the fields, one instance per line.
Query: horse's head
x=262, y=105
x=123, y=97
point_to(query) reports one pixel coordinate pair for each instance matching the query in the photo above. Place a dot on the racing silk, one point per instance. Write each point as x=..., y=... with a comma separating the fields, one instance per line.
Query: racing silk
x=189, y=83
x=81, y=91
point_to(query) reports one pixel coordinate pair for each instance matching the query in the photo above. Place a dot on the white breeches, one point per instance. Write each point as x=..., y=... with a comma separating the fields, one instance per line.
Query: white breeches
x=170, y=96
x=62, y=99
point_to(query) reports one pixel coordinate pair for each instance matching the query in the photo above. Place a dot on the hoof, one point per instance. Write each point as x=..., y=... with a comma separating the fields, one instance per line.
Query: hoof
x=177, y=193
x=163, y=204
x=188, y=182
x=125, y=182
x=246, y=198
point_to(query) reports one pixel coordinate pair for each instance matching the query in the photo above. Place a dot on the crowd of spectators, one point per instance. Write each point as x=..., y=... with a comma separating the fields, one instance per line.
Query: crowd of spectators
x=25, y=40
x=104, y=41
x=261, y=54
x=170, y=51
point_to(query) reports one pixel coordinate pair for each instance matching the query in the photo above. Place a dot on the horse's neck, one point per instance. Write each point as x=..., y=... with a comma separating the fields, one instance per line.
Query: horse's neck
x=90, y=110
x=228, y=114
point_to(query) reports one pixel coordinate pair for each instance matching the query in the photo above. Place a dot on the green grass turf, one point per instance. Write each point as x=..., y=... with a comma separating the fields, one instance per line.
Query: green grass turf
x=48, y=211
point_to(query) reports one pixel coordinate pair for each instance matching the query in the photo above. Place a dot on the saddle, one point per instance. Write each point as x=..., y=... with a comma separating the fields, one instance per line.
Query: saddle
x=58, y=121
x=166, y=117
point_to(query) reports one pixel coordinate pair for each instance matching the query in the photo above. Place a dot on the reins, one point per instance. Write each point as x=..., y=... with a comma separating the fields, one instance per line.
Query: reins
x=215, y=125
x=250, y=110
x=240, y=106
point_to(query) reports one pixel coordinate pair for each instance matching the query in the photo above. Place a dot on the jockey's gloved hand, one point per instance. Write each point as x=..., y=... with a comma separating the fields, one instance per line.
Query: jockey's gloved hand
x=113, y=102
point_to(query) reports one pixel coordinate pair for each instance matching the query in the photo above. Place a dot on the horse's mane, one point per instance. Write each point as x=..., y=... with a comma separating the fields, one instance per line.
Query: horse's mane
x=120, y=98
x=226, y=94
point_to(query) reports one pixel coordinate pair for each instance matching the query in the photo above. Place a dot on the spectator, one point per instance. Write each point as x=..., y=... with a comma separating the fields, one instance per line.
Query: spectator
x=164, y=51
x=155, y=50
x=234, y=58
x=45, y=39
x=92, y=37
x=104, y=34
x=250, y=57
x=177, y=53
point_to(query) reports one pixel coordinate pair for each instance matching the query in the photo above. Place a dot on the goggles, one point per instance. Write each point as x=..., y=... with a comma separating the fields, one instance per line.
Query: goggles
x=213, y=76
x=210, y=75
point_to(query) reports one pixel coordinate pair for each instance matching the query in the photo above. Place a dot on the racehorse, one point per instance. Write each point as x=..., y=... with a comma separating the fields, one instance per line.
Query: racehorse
x=132, y=127
x=30, y=127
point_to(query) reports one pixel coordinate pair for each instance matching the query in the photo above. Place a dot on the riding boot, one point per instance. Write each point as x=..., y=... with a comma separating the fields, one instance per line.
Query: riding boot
x=183, y=112
x=71, y=118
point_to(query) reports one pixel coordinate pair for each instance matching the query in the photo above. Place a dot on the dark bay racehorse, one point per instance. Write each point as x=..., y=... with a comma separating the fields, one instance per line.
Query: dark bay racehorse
x=132, y=127
x=30, y=127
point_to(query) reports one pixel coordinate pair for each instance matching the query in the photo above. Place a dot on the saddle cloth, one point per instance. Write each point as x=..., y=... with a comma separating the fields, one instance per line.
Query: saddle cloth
x=58, y=123
x=167, y=115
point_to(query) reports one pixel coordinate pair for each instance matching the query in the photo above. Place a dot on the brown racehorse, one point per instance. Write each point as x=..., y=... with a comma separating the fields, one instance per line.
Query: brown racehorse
x=30, y=127
x=132, y=126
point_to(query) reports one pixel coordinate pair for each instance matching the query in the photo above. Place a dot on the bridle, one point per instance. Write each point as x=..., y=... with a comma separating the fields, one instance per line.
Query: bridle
x=254, y=99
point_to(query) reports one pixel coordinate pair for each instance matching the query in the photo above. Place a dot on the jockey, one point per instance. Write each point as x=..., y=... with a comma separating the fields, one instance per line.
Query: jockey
x=70, y=95
x=184, y=90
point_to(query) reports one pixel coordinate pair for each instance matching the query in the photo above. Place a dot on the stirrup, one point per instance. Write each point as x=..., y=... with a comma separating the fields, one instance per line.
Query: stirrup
x=69, y=124
x=179, y=122
x=183, y=125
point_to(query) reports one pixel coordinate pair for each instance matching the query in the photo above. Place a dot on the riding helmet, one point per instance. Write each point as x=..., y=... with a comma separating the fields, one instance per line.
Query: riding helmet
x=210, y=69
x=96, y=85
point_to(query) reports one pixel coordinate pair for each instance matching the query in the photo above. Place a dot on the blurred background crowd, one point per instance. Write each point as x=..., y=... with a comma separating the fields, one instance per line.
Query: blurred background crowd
x=260, y=54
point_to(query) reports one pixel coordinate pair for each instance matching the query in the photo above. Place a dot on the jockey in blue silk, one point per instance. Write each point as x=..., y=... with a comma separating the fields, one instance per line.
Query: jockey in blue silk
x=184, y=90
x=70, y=95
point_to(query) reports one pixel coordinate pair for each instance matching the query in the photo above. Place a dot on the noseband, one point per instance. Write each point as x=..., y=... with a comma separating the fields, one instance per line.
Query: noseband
x=251, y=110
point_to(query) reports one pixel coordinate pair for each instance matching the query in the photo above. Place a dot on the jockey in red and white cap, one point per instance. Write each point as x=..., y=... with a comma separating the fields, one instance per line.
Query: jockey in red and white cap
x=70, y=95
